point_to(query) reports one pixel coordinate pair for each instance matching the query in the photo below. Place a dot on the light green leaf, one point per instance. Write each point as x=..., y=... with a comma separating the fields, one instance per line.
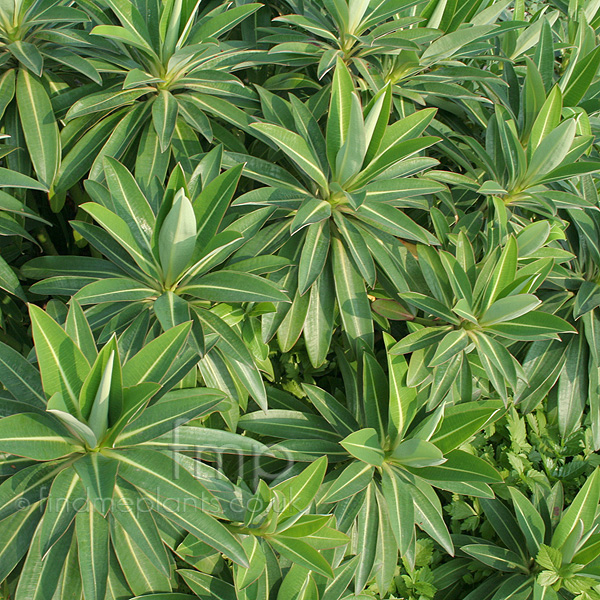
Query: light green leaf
x=495, y=557
x=93, y=549
x=232, y=286
x=98, y=474
x=164, y=117
x=397, y=494
x=417, y=453
x=39, y=127
x=177, y=238
x=365, y=446
x=296, y=148
x=35, y=436
x=583, y=508
x=532, y=524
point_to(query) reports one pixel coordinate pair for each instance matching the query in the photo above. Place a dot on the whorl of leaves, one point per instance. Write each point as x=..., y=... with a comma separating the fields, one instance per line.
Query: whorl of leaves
x=299, y=299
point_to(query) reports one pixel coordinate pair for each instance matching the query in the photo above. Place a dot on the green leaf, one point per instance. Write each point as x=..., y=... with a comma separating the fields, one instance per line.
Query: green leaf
x=38, y=578
x=428, y=515
x=28, y=55
x=532, y=524
x=356, y=244
x=417, y=340
x=543, y=592
x=102, y=101
x=505, y=525
x=542, y=366
x=365, y=446
x=430, y=306
x=35, y=436
x=172, y=410
x=203, y=439
x=494, y=356
x=21, y=378
x=352, y=480
x=164, y=117
x=340, y=418
x=27, y=486
x=17, y=531
x=296, y=148
x=177, y=238
x=67, y=496
x=70, y=415
x=311, y=211
x=532, y=326
x=208, y=586
x=15, y=179
x=417, y=453
x=128, y=202
x=135, y=517
x=152, y=473
x=221, y=23
x=550, y=558
x=495, y=557
x=449, y=44
x=300, y=553
x=319, y=329
x=93, y=547
x=508, y=308
x=588, y=298
x=78, y=329
x=7, y=89
x=349, y=159
x=393, y=221
x=131, y=571
x=548, y=118
x=351, y=296
x=580, y=78
x=300, y=491
x=551, y=151
x=98, y=419
x=121, y=233
x=289, y=424
x=397, y=494
x=231, y=286
x=113, y=289
x=340, y=108
x=459, y=466
x=98, y=474
x=39, y=127
x=314, y=254
x=211, y=204
x=582, y=508
x=153, y=361
x=503, y=273
x=454, y=342
x=573, y=386
x=403, y=399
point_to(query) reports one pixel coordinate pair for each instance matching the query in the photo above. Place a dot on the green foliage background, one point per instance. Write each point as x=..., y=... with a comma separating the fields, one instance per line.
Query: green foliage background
x=299, y=299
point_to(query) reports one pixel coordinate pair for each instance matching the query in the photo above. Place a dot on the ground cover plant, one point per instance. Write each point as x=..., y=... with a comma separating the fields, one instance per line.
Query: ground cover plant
x=299, y=300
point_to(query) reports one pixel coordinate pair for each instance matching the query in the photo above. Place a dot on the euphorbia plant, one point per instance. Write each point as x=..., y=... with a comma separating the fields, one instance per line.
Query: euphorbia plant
x=84, y=424
x=166, y=67
x=390, y=455
x=475, y=310
x=538, y=554
x=344, y=206
x=164, y=263
x=42, y=49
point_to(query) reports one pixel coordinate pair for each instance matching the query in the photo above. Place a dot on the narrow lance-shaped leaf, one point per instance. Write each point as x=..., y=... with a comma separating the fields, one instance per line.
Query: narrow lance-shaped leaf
x=39, y=126
x=177, y=238
x=98, y=419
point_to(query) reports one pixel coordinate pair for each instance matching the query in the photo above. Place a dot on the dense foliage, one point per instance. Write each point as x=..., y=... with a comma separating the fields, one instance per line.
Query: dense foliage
x=299, y=299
